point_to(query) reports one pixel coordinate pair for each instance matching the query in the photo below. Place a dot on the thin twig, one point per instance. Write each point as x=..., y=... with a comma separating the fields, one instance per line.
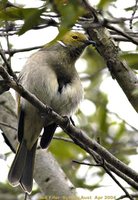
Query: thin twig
x=132, y=17
x=117, y=182
x=8, y=43
x=113, y=113
x=7, y=64
x=13, y=51
x=9, y=33
x=7, y=61
x=109, y=166
x=107, y=25
x=63, y=139
x=124, y=176
x=112, y=168
x=120, y=20
x=101, y=163
x=124, y=196
x=88, y=164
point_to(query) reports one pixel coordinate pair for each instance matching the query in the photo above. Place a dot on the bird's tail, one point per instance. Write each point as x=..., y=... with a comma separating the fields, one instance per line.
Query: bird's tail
x=21, y=171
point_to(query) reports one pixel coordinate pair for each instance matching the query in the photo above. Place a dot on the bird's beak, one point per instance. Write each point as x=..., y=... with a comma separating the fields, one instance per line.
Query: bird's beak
x=89, y=42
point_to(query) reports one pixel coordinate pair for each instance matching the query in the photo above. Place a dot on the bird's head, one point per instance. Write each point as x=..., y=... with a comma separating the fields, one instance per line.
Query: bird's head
x=76, y=39
x=75, y=43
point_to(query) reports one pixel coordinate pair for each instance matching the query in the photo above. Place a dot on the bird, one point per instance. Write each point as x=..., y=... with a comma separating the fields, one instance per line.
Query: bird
x=50, y=75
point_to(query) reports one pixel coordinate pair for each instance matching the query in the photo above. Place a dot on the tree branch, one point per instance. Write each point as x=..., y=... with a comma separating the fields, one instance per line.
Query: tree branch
x=125, y=77
x=117, y=182
x=102, y=164
x=131, y=39
x=124, y=196
x=13, y=51
x=79, y=137
x=128, y=180
x=7, y=64
x=133, y=14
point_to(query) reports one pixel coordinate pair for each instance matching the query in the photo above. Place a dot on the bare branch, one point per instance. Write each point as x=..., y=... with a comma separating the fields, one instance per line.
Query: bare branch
x=13, y=51
x=7, y=64
x=124, y=196
x=86, y=163
x=8, y=43
x=103, y=164
x=123, y=176
x=113, y=113
x=63, y=139
x=106, y=164
x=117, y=182
x=133, y=14
x=131, y=39
x=126, y=78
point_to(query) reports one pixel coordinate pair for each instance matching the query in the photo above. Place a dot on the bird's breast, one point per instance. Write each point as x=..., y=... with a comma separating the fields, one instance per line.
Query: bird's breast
x=63, y=95
x=61, y=91
x=67, y=100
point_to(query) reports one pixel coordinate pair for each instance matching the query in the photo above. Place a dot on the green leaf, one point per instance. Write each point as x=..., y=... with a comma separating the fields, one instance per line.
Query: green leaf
x=104, y=3
x=102, y=113
x=31, y=19
x=11, y=14
x=131, y=59
x=16, y=13
x=120, y=131
x=65, y=151
x=129, y=151
x=69, y=12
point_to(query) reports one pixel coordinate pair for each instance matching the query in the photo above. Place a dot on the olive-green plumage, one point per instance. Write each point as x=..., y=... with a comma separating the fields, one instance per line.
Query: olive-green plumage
x=51, y=76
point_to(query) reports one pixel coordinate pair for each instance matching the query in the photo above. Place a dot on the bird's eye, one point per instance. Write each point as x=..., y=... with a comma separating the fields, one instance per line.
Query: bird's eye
x=75, y=37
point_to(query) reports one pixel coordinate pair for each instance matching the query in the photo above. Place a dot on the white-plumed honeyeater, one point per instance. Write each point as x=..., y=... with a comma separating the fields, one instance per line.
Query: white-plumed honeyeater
x=51, y=76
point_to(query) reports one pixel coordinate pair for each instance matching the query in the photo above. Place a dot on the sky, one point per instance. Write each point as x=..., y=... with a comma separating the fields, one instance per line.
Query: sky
x=118, y=102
